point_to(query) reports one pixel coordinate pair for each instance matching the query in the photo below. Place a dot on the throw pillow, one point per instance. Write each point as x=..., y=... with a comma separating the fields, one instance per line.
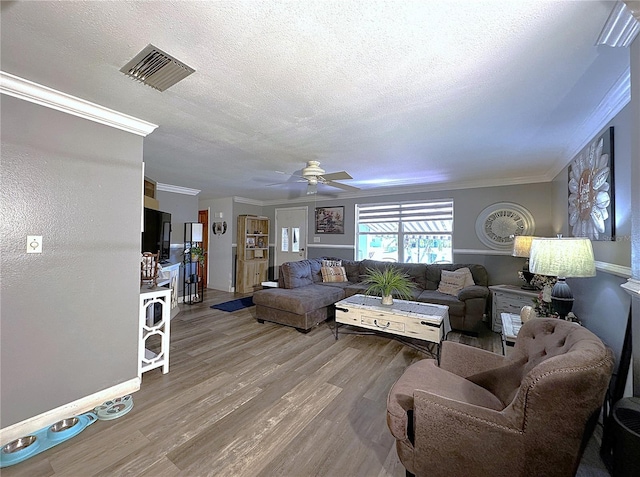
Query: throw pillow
x=468, y=276
x=332, y=263
x=333, y=274
x=451, y=282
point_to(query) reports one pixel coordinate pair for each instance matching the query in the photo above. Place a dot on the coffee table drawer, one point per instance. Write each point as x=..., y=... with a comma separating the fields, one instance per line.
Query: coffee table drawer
x=382, y=323
x=426, y=331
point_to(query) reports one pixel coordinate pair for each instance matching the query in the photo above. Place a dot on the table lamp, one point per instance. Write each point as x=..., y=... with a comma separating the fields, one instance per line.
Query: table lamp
x=522, y=248
x=563, y=258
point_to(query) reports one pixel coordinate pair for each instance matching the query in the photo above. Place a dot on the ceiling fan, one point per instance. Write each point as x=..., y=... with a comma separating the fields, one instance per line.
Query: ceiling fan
x=315, y=175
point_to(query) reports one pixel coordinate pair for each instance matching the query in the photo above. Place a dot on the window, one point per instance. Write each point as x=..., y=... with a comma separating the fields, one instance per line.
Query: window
x=410, y=232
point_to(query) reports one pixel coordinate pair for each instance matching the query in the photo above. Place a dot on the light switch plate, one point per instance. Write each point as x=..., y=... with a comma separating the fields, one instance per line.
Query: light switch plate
x=34, y=243
x=316, y=239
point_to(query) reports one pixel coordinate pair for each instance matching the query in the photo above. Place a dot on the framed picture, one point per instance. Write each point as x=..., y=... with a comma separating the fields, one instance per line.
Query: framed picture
x=330, y=220
x=591, y=191
x=251, y=242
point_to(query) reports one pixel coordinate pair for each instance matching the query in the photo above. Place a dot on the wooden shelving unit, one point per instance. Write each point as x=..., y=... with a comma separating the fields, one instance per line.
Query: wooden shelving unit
x=253, y=252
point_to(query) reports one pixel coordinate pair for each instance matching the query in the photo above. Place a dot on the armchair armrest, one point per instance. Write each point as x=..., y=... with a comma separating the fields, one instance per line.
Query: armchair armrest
x=474, y=291
x=465, y=360
x=480, y=432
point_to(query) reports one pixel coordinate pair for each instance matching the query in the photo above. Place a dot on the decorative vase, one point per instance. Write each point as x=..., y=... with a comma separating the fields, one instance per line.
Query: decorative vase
x=387, y=300
x=527, y=313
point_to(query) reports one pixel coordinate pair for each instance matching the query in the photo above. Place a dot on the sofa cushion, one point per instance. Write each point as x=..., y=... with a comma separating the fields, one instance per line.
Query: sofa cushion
x=425, y=374
x=468, y=281
x=316, y=265
x=333, y=274
x=299, y=300
x=296, y=274
x=479, y=273
x=451, y=282
x=353, y=270
x=456, y=307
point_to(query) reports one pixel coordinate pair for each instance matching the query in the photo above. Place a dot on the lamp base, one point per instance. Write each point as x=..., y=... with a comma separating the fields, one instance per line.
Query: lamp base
x=528, y=276
x=561, y=298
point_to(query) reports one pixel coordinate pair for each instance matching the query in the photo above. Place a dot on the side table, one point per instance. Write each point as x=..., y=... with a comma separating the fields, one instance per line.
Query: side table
x=508, y=299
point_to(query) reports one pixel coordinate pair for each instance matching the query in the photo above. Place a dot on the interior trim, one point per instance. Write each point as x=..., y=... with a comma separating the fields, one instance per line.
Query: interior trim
x=614, y=269
x=632, y=287
x=472, y=251
x=328, y=245
x=29, y=91
x=177, y=189
x=87, y=403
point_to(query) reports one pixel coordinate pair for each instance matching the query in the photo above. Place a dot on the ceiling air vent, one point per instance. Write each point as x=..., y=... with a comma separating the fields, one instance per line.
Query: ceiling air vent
x=155, y=68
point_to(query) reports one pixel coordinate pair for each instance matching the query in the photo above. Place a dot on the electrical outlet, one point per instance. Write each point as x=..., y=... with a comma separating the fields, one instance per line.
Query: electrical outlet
x=34, y=243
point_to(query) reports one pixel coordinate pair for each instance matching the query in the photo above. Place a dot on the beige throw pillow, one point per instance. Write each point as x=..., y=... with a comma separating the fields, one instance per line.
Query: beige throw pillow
x=333, y=274
x=468, y=276
x=451, y=282
x=332, y=263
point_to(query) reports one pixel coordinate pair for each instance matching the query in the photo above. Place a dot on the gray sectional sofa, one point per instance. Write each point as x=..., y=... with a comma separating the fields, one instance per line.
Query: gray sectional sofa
x=302, y=300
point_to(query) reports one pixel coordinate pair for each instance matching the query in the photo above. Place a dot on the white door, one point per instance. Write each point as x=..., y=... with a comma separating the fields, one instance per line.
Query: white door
x=291, y=236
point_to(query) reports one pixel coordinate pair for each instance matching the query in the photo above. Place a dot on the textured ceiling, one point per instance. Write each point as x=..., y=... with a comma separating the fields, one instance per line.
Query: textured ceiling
x=398, y=93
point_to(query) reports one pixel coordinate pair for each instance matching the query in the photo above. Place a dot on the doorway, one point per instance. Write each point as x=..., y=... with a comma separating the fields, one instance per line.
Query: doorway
x=203, y=218
x=291, y=236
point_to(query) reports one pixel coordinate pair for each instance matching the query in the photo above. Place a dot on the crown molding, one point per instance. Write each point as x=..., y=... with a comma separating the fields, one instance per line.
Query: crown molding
x=621, y=28
x=176, y=189
x=618, y=96
x=244, y=200
x=634, y=7
x=21, y=88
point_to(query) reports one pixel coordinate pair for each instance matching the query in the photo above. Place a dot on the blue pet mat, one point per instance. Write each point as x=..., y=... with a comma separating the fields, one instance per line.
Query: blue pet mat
x=234, y=305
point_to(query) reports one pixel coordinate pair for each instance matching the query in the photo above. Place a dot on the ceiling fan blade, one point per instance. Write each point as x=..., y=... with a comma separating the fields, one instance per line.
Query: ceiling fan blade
x=341, y=186
x=336, y=176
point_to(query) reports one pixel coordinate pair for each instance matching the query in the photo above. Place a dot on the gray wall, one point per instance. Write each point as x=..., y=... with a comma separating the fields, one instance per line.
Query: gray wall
x=183, y=208
x=600, y=302
x=468, y=203
x=220, y=246
x=69, y=322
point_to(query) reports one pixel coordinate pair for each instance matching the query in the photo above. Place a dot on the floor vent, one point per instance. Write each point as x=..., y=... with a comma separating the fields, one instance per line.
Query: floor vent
x=155, y=68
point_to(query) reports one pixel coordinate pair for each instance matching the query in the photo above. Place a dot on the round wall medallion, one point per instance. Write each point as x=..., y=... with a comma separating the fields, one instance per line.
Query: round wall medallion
x=499, y=223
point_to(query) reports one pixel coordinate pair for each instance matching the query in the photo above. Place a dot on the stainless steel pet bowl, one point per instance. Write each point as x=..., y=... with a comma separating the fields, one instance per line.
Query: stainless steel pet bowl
x=64, y=424
x=18, y=444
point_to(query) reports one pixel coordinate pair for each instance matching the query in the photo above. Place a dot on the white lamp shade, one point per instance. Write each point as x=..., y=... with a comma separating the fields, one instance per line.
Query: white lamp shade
x=522, y=245
x=562, y=257
x=193, y=232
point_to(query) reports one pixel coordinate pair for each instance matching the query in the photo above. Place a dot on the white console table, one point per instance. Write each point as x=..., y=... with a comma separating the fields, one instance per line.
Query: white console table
x=153, y=338
x=169, y=277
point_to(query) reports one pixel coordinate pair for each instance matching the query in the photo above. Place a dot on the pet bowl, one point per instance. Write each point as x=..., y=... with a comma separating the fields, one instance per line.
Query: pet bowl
x=64, y=424
x=19, y=445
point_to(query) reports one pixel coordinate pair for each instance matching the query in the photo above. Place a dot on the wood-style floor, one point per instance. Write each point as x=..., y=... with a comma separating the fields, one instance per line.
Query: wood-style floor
x=249, y=399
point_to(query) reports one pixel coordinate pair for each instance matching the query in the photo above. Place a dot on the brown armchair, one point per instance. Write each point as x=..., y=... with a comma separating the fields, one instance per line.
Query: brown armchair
x=482, y=414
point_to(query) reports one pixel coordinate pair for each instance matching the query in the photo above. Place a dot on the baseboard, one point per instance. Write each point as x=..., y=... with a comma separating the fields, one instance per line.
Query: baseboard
x=87, y=403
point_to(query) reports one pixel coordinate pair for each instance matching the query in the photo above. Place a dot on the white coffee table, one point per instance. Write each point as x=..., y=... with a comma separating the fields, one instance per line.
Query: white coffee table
x=411, y=319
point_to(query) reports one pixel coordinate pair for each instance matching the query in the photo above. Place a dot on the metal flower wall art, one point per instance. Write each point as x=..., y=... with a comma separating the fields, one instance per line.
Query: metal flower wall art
x=591, y=199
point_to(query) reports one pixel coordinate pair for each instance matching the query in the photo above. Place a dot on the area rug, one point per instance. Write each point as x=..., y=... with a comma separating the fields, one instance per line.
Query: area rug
x=234, y=305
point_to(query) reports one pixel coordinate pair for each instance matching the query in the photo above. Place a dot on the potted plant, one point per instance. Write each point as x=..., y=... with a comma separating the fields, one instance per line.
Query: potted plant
x=387, y=282
x=197, y=254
